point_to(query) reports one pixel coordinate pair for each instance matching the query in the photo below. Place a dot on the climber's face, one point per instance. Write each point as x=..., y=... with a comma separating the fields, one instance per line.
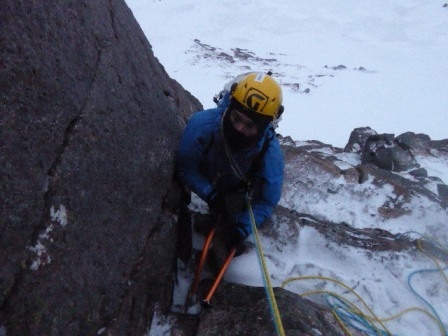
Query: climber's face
x=243, y=124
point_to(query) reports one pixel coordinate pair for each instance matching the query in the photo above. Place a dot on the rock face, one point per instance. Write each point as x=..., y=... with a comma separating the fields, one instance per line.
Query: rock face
x=89, y=124
x=244, y=310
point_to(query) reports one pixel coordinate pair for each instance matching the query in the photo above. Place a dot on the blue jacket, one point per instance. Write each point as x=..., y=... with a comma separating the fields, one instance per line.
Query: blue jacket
x=203, y=166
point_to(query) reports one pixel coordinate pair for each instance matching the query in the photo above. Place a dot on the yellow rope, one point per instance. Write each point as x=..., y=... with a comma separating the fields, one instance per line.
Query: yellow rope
x=432, y=257
x=374, y=317
x=276, y=312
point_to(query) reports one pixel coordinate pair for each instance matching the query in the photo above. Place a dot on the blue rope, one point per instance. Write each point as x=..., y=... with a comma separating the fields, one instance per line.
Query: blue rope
x=350, y=318
x=423, y=299
x=357, y=321
x=429, y=270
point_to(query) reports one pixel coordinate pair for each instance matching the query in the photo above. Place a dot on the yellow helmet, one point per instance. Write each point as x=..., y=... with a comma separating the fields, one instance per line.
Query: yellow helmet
x=260, y=93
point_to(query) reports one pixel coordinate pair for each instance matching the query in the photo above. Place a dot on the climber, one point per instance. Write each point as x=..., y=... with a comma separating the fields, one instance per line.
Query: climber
x=228, y=151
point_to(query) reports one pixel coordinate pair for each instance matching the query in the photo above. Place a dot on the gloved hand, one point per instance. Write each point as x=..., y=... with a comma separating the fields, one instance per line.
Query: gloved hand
x=216, y=204
x=236, y=240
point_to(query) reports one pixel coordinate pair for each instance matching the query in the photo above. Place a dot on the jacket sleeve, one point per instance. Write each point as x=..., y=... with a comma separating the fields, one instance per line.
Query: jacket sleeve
x=195, y=142
x=270, y=174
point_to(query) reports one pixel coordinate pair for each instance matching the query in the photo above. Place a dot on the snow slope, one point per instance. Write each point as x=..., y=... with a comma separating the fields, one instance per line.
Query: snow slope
x=394, y=75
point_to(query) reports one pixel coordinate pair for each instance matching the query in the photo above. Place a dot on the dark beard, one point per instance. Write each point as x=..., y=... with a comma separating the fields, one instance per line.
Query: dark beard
x=236, y=140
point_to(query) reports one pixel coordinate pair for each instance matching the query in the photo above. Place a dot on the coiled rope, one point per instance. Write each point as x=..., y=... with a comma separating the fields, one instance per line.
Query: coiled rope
x=348, y=315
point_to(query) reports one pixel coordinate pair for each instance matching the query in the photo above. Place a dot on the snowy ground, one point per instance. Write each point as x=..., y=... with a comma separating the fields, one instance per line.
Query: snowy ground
x=342, y=65
x=394, y=75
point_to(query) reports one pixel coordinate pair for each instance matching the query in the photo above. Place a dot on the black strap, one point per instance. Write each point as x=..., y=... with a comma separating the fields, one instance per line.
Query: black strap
x=256, y=163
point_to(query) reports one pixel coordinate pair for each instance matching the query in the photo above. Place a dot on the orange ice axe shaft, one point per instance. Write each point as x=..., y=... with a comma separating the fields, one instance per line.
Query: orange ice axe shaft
x=205, y=249
x=206, y=301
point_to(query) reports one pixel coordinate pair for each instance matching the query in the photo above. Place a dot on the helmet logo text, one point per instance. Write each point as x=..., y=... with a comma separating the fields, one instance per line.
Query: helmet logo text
x=256, y=100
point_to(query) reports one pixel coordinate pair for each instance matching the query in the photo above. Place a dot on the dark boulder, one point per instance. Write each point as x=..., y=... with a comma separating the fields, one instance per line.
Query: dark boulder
x=89, y=124
x=358, y=138
x=414, y=142
x=385, y=152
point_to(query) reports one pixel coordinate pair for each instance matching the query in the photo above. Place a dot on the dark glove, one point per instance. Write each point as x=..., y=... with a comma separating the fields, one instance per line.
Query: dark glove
x=236, y=241
x=216, y=204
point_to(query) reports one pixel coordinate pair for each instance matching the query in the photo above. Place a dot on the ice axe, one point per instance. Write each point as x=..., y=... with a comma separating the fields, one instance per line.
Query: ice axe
x=206, y=301
x=204, y=253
